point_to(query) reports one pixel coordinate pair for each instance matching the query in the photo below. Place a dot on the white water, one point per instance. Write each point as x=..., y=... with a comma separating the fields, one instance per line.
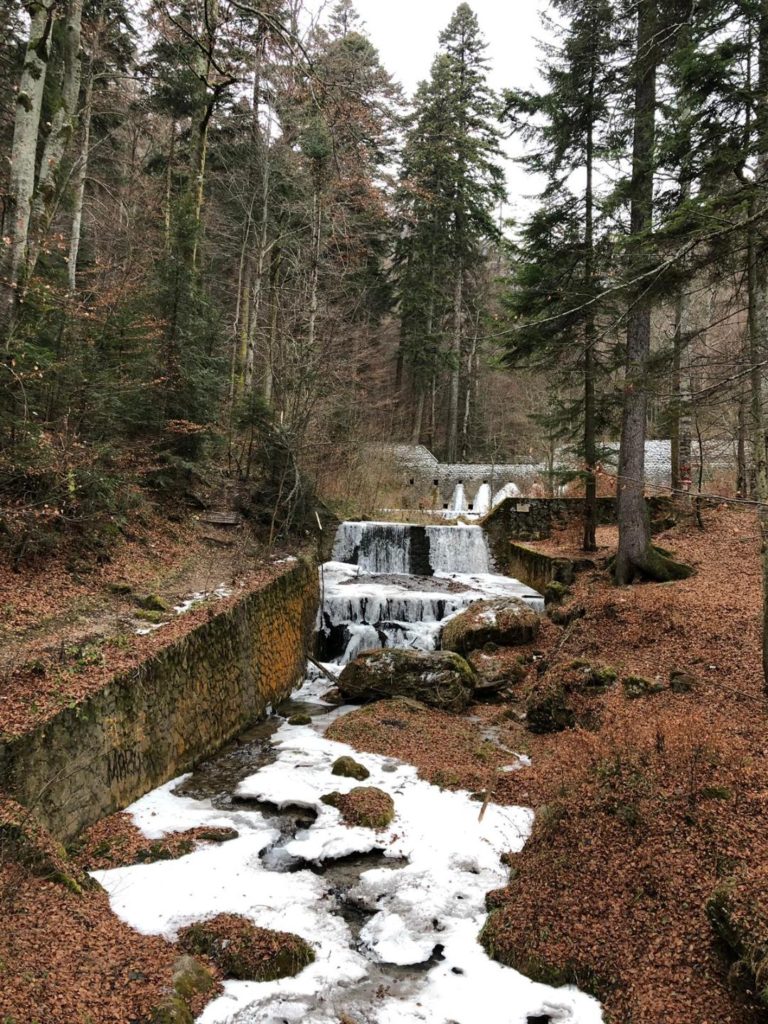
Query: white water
x=402, y=548
x=458, y=549
x=458, y=501
x=381, y=611
x=509, y=490
x=482, y=505
x=435, y=898
x=426, y=896
x=375, y=547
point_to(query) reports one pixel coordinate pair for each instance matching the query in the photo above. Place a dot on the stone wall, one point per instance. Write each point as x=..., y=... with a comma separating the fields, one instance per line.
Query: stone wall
x=523, y=519
x=538, y=570
x=182, y=704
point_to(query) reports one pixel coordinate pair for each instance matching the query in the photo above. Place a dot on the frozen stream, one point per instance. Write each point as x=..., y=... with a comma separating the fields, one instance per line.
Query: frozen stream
x=393, y=916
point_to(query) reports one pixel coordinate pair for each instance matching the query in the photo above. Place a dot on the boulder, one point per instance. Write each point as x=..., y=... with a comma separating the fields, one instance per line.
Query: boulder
x=363, y=806
x=244, y=951
x=639, y=686
x=549, y=710
x=349, y=768
x=439, y=679
x=496, y=670
x=508, y=621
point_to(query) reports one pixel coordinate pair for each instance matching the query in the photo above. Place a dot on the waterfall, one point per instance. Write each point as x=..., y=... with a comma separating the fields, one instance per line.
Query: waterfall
x=483, y=500
x=395, y=584
x=377, y=547
x=509, y=490
x=458, y=501
x=398, y=549
x=460, y=549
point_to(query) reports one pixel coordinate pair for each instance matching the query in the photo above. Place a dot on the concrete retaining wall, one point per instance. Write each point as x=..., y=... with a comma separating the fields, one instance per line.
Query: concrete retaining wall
x=154, y=723
x=537, y=570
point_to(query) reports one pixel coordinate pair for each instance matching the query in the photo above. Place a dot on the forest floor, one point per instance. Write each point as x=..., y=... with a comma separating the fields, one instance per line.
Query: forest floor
x=65, y=631
x=648, y=804
x=66, y=628
x=642, y=809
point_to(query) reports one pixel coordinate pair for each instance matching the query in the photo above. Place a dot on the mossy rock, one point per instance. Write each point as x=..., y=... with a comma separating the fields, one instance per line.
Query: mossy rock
x=439, y=679
x=244, y=951
x=682, y=682
x=555, y=592
x=145, y=615
x=349, y=768
x=363, y=807
x=300, y=719
x=507, y=622
x=153, y=603
x=495, y=669
x=548, y=709
x=738, y=912
x=638, y=686
x=588, y=678
x=190, y=978
x=566, y=614
x=24, y=841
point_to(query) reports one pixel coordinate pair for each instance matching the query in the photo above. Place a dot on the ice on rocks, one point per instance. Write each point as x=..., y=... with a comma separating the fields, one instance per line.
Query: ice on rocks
x=435, y=898
x=440, y=859
x=387, y=612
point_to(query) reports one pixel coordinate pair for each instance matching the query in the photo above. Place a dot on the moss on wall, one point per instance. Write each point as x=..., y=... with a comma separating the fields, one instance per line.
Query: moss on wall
x=155, y=722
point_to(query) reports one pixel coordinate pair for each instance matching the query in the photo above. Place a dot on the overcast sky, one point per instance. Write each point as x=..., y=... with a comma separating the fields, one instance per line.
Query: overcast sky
x=405, y=33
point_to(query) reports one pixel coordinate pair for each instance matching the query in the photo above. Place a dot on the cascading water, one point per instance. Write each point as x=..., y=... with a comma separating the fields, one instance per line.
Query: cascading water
x=393, y=915
x=403, y=549
x=458, y=501
x=395, y=585
x=483, y=500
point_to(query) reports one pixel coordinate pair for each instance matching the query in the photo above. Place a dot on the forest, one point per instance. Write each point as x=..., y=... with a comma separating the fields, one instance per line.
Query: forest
x=245, y=277
x=230, y=241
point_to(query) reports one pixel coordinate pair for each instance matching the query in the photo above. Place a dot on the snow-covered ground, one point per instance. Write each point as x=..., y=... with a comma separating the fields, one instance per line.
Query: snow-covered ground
x=433, y=897
x=408, y=953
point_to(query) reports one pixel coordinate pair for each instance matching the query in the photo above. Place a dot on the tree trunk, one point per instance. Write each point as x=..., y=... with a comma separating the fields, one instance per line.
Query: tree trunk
x=62, y=129
x=258, y=281
x=757, y=326
x=682, y=465
x=590, y=340
x=168, y=197
x=636, y=556
x=270, y=356
x=472, y=361
x=80, y=182
x=453, y=407
x=418, y=418
x=21, y=185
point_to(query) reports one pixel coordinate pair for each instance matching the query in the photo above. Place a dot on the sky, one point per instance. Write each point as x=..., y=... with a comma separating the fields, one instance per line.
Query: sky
x=406, y=34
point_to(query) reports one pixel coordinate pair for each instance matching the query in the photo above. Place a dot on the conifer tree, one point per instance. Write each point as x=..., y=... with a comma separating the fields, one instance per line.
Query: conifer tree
x=452, y=184
x=563, y=255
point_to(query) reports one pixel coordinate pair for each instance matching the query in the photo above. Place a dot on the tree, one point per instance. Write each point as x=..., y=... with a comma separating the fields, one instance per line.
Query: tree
x=451, y=187
x=562, y=258
x=636, y=556
x=29, y=100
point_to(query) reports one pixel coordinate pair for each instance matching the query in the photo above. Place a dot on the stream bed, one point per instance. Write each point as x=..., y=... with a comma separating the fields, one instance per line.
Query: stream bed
x=394, y=915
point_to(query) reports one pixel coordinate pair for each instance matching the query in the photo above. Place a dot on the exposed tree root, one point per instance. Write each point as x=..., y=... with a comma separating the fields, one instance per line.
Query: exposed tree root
x=654, y=565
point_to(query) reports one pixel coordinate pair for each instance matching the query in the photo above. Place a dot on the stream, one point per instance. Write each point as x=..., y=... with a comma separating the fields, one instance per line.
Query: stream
x=394, y=915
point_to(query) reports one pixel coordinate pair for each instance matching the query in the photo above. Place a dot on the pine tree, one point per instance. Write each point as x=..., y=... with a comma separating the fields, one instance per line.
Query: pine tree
x=563, y=256
x=452, y=184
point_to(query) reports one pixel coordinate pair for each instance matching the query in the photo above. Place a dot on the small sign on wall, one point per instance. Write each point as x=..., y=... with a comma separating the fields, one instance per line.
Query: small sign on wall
x=522, y=506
